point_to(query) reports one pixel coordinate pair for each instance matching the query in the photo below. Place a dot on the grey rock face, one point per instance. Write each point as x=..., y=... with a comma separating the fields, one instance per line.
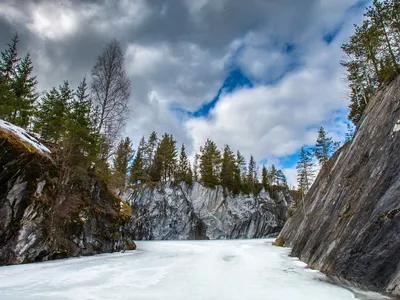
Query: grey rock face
x=41, y=219
x=349, y=225
x=180, y=212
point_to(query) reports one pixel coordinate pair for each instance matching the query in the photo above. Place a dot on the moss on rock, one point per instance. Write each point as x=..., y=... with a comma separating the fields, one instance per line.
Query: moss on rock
x=279, y=242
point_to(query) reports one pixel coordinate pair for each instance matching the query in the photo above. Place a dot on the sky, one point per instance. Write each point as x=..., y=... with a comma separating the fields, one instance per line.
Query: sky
x=259, y=75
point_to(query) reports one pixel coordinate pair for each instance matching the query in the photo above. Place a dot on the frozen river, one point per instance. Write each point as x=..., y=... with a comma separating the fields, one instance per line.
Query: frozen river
x=240, y=269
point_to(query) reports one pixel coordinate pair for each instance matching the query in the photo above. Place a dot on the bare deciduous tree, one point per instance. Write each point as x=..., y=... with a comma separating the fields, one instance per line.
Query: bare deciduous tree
x=110, y=92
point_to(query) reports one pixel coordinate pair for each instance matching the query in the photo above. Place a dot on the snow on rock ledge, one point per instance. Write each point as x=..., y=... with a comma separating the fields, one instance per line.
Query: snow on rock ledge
x=24, y=136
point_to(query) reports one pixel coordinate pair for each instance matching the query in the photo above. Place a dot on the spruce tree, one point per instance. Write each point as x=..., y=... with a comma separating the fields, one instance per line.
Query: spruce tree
x=164, y=164
x=273, y=176
x=136, y=171
x=372, y=54
x=123, y=156
x=251, y=175
x=80, y=139
x=305, y=171
x=227, y=169
x=349, y=133
x=265, y=180
x=189, y=176
x=210, y=162
x=50, y=119
x=170, y=158
x=8, y=62
x=25, y=95
x=324, y=147
x=183, y=168
x=9, y=59
x=7, y=100
x=281, y=177
x=145, y=162
x=149, y=149
x=240, y=168
x=17, y=86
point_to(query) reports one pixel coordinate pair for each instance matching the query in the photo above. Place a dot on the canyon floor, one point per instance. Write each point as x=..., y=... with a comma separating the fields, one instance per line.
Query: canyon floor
x=235, y=269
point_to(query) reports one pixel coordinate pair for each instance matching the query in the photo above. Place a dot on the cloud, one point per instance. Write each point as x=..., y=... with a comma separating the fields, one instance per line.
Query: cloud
x=179, y=53
x=50, y=22
x=276, y=120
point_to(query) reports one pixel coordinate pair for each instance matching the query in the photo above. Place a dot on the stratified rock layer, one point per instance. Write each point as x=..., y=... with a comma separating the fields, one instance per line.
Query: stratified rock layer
x=349, y=223
x=179, y=212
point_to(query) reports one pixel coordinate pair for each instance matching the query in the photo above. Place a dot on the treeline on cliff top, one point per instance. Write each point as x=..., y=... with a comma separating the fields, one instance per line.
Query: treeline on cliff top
x=83, y=124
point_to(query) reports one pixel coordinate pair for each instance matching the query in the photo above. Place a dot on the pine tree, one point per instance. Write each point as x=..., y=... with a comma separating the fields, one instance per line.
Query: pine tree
x=17, y=86
x=51, y=119
x=136, y=171
x=123, y=156
x=372, y=54
x=145, y=163
x=378, y=13
x=282, y=181
x=273, y=176
x=240, y=168
x=150, y=149
x=183, y=168
x=9, y=59
x=189, y=176
x=251, y=175
x=305, y=171
x=210, y=161
x=164, y=164
x=349, y=134
x=227, y=169
x=7, y=100
x=8, y=62
x=170, y=158
x=265, y=179
x=80, y=139
x=24, y=89
x=324, y=146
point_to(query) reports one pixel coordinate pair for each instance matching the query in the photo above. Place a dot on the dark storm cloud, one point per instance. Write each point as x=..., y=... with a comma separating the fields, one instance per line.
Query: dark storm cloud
x=212, y=25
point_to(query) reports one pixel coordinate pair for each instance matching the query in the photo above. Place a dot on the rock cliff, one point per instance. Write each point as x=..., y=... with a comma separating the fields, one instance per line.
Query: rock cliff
x=178, y=212
x=349, y=223
x=45, y=216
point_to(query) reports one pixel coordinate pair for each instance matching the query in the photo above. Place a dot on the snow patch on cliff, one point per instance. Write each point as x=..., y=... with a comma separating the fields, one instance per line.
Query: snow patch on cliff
x=397, y=126
x=24, y=136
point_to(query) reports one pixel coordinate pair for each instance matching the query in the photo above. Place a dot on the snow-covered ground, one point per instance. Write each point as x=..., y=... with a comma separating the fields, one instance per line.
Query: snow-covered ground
x=241, y=269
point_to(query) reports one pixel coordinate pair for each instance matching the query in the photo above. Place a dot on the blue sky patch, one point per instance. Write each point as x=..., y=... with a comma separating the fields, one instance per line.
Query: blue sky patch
x=330, y=36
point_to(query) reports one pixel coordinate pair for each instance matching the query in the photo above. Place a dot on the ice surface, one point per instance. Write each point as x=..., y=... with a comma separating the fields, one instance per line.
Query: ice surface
x=24, y=136
x=240, y=269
